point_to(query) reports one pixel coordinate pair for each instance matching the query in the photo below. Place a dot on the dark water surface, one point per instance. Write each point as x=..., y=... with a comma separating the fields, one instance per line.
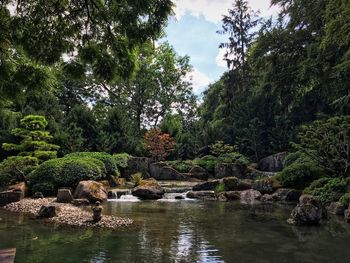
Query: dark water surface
x=184, y=231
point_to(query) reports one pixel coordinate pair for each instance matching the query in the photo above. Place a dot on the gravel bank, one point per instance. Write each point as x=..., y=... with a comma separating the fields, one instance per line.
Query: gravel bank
x=67, y=214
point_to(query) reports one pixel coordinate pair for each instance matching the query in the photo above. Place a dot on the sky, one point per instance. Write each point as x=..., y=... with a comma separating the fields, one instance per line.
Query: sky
x=192, y=31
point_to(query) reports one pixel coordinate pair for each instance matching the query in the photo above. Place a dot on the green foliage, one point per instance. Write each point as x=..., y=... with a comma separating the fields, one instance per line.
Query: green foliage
x=327, y=143
x=136, y=179
x=220, y=188
x=234, y=157
x=300, y=175
x=65, y=172
x=345, y=199
x=15, y=169
x=329, y=190
x=220, y=148
x=121, y=160
x=208, y=162
x=181, y=166
x=108, y=160
x=34, y=139
x=296, y=157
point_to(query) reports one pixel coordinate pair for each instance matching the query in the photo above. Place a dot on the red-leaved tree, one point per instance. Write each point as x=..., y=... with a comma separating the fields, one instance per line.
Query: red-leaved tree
x=159, y=144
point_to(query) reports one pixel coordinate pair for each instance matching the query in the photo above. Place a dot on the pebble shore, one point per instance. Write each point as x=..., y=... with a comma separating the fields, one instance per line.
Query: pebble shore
x=67, y=214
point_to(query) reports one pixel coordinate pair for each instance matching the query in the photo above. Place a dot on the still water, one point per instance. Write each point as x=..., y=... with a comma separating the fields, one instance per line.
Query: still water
x=181, y=231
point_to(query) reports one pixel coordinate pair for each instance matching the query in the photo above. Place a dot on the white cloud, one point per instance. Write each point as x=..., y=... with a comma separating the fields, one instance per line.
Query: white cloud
x=220, y=58
x=213, y=10
x=199, y=80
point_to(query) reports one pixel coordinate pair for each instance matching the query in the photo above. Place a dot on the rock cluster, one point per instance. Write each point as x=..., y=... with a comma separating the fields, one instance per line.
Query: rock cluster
x=68, y=214
x=148, y=189
x=91, y=190
x=309, y=211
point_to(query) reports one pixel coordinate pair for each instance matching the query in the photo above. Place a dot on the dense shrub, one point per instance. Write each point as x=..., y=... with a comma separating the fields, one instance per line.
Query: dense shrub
x=296, y=157
x=300, y=175
x=136, y=179
x=64, y=172
x=345, y=199
x=181, y=166
x=327, y=143
x=121, y=160
x=328, y=190
x=209, y=162
x=233, y=157
x=16, y=168
x=108, y=160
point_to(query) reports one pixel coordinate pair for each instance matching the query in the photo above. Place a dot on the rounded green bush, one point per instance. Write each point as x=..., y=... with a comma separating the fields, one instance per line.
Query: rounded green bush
x=296, y=157
x=345, y=199
x=108, y=160
x=299, y=175
x=64, y=172
x=329, y=190
x=14, y=168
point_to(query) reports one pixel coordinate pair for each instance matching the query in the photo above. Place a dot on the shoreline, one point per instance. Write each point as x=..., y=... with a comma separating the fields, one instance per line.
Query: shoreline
x=68, y=214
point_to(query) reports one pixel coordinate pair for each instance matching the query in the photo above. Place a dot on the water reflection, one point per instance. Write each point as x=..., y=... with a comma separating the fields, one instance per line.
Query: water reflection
x=181, y=232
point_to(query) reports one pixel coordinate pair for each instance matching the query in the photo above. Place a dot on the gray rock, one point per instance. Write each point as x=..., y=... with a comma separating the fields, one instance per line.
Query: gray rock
x=272, y=163
x=235, y=184
x=8, y=197
x=308, y=212
x=268, y=198
x=64, y=196
x=136, y=165
x=199, y=173
x=336, y=208
x=47, y=211
x=23, y=187
x=91, y=190
x=289, y=195
x=111, y=195
x=207, y=186
x=204, y=195
x=161, y=171
x=250, y=196
x=347, y=215
x=265, y=186
x=148, y=192
x=230, y=195
x=228, y=170
x=38, y=195
x=179, y=197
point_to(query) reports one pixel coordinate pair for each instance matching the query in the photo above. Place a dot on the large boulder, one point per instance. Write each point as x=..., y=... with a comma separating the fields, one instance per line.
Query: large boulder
x=136, y=165
x=228, y=170
x=266, y=186
x=64, y=196
x=250, y=196
x=347, y=214
x=272, y=163
x=288, y=195
x=91, y=190
x=148, y=192
x=204, y=195
x=199, y=173
x=8, y=197
x=20, y=187
x=47, y=211
x=235, y=184
x=161, y=171
x=207, y=186
x=229, y=196
x=309, y=211
x=336, y=208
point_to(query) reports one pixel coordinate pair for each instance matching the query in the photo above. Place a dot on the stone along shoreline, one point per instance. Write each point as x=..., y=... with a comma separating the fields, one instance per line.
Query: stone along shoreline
x=68, y=214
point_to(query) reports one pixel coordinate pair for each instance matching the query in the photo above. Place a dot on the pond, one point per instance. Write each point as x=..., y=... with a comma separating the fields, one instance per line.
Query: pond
x=181, y=231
